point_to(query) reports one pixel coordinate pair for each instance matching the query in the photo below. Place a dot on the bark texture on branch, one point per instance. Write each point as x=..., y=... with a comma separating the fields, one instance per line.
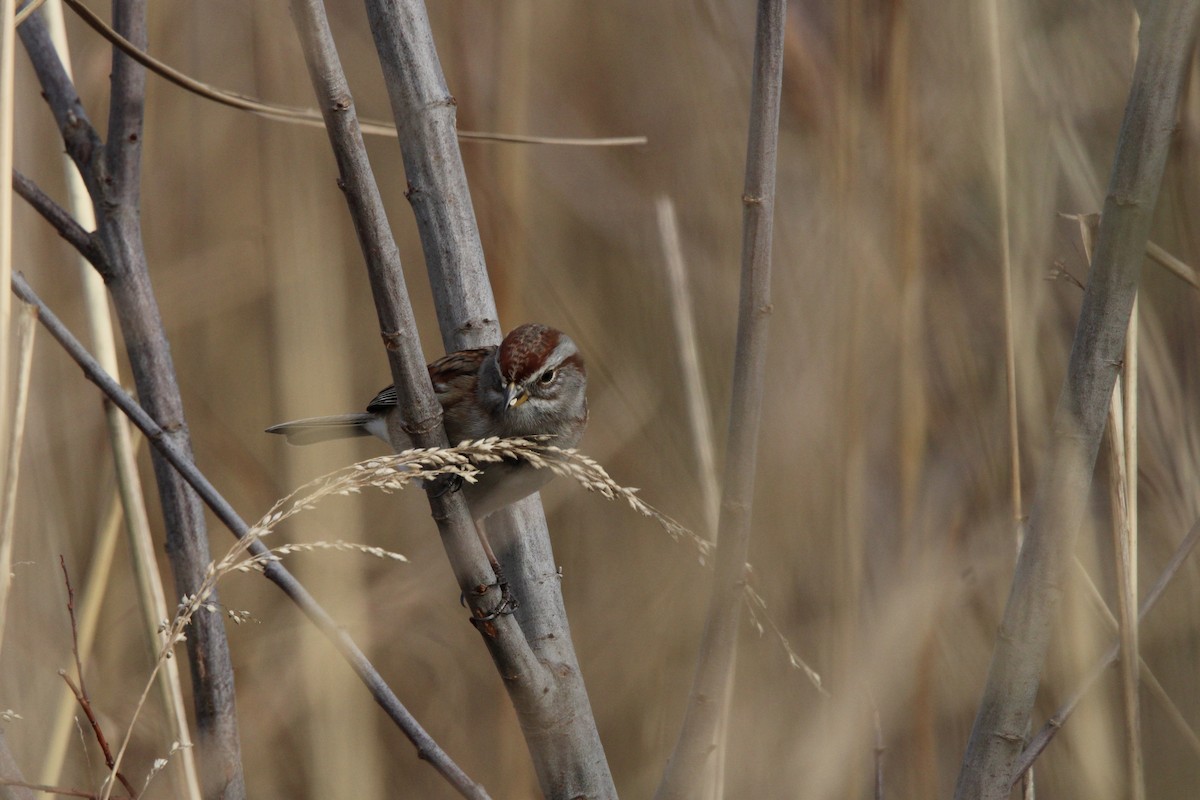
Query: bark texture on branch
x=112, y=173
x=1166, y=42
x=418, y=403
x=536, y=657
x=699, y=736
x=425, y=114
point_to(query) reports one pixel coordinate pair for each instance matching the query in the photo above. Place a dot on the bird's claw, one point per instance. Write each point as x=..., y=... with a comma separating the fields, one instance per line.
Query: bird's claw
x=446, y=484
x=507, y=604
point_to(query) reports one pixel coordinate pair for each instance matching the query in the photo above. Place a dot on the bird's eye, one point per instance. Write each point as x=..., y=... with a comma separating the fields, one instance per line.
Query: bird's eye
x=547, y=376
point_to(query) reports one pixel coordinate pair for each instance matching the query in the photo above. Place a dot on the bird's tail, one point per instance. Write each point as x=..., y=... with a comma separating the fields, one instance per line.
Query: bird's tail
x=323, y=429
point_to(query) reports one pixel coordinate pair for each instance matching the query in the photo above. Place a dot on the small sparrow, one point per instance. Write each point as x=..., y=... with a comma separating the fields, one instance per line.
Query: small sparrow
x=533, y=384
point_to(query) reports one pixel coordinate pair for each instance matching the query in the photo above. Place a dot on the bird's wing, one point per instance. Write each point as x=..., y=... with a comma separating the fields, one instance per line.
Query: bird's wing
x=452, y=373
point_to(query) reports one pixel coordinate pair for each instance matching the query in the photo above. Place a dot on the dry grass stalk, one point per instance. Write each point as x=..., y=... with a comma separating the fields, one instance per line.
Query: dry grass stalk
x=12, y=455
x=395, y=474
x=7, y=70
x=1122, y=466
x=182, y=463
x=687, y=338
x=1146, y=673
x=1168, y=38
x=151, y=595
x=111, y=170
x=1039, y=742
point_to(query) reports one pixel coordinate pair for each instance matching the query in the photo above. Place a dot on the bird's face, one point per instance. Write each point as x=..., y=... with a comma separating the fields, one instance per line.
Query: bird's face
x=536, y=383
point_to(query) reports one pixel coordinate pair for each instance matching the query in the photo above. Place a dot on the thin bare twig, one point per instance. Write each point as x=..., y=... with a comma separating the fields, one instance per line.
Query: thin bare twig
x=307, y=116
x=427, y=748
x=1050, y=729
x=699, y=733
x=86, y=704
x=129, y=492
x=60, y=790
x=80, y=691
x=62, y=222
x=1168, y=37
x=1147, y=675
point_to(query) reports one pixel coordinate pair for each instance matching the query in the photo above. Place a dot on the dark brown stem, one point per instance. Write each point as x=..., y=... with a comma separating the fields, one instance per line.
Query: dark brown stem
x=80, y=691
x=86, y=704
x=62, y=562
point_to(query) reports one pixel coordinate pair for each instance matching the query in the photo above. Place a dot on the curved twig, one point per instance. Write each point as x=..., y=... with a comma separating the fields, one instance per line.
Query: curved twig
x=307, y=116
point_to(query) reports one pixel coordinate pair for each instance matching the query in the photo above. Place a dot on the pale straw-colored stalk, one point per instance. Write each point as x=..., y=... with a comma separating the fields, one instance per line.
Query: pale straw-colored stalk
x=1019, y=652
x=1122, y=465
x=7, y=67
x=12, y=454
x=696, y=397
x=1153, y=684
x=999, y=149
x=679, y=299
x=152, y=597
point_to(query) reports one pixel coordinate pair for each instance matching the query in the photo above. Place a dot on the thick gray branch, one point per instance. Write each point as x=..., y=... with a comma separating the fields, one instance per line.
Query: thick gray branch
x=698, y=736
x=419, y=405
x=1167, y=37
x=425, y=114
x=551, y=703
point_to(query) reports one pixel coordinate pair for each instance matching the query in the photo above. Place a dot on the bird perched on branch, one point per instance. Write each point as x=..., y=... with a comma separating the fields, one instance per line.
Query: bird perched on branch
x=533, y=384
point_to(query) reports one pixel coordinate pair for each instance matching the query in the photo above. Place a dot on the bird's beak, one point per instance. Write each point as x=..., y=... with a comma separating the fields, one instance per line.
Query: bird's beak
x=514, y=395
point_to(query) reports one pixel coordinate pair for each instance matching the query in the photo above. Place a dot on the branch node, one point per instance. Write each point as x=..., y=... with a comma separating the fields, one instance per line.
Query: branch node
x=392, y=340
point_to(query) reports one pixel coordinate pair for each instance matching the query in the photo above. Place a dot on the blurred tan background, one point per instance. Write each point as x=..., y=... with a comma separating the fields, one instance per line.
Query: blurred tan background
x=883, y=530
